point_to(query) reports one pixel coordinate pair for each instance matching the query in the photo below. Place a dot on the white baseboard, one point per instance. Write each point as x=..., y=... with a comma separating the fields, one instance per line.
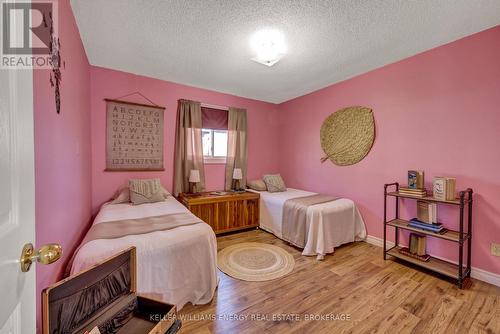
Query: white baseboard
x=377, y=241
x=476, y=273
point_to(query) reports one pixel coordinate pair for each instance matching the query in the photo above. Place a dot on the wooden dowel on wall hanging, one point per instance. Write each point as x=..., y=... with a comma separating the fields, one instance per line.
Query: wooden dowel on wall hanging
x=135, y=104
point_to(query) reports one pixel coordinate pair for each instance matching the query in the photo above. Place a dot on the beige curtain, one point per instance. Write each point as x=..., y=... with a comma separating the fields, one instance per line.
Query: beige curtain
x=188, y=146
x=236, y=146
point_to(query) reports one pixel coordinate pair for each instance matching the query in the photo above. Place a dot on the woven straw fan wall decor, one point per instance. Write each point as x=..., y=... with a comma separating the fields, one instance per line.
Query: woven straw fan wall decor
x=347, y=135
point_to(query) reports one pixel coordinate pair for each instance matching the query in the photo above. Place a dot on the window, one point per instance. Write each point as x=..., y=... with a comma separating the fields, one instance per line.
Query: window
x=214, y=145
x=214, y=134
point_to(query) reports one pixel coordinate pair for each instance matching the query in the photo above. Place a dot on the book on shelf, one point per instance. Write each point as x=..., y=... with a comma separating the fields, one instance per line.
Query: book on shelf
x=418, y=221
x=451, y=183
x=443, y=188
x=427, y=212
x=439, y=230
x=415, y=179
x=413, y=243
x=417, y=244
x=436, y=228
x=421, y=247
x=412, y=192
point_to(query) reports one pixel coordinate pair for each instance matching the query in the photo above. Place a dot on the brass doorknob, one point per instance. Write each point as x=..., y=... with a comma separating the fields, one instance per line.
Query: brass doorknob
x=45, y=255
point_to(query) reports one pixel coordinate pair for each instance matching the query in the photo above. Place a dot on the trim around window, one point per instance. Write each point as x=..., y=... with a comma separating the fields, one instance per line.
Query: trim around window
x=214, y=160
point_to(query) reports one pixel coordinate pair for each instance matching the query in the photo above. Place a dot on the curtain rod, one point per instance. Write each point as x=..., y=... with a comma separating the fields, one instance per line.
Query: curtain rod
x=214, y=106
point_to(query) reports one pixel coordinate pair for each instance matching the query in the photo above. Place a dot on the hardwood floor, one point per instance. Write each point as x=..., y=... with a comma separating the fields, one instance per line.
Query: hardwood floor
x=353, y=290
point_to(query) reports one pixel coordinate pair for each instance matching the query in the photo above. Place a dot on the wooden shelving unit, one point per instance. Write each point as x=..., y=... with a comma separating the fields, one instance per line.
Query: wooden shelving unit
x=456, y=271
x=448, y=235
x=437, y=265
x=426, y=198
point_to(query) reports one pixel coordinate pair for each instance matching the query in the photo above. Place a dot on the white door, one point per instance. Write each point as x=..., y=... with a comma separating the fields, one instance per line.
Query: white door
x=17, y=200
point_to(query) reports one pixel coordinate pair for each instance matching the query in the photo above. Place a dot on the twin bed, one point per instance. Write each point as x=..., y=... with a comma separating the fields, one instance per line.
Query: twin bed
x=178, y=264
x=328, y=225
x=175, y=266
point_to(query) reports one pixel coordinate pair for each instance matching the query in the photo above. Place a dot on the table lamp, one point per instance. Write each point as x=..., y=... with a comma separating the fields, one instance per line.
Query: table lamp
x=194, y=178
x=237, y=175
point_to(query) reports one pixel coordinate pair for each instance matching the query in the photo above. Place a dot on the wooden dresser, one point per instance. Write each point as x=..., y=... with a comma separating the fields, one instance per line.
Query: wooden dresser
x=224, y=213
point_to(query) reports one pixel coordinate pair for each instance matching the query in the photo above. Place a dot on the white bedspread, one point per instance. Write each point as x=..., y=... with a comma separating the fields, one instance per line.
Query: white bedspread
x=329, y=224
x=175, y=266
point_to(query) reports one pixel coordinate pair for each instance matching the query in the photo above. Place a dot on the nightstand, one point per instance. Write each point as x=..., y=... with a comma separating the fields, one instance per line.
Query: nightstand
x=224, y=213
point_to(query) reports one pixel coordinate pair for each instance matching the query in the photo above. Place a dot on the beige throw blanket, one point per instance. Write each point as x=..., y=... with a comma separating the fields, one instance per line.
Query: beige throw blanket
x=121, y=228
x=295, y=217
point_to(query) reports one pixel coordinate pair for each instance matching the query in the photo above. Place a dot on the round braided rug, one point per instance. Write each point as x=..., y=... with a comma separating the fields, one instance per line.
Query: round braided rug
x=347, y=135
x=254, y=261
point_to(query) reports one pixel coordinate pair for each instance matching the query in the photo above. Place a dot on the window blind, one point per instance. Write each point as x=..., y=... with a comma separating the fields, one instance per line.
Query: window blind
x=215, y=119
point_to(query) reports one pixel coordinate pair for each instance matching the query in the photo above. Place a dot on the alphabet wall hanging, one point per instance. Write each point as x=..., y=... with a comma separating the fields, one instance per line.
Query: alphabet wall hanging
x=134, y=136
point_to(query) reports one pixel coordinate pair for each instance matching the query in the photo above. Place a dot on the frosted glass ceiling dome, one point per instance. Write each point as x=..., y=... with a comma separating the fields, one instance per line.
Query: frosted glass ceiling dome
x=269, y=46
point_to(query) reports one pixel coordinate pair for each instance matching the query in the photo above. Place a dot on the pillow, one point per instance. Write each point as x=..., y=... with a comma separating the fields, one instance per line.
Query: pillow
x=146, y=191
x=122, y=197
x=258, y=185
x=274, y=183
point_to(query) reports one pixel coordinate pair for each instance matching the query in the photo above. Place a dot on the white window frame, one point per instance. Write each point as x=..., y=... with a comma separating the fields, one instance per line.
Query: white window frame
x=214, y=159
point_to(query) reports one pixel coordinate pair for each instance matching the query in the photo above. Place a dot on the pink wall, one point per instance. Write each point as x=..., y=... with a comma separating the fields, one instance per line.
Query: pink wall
x=62, y=152
x=106, y=83
x=437, y=111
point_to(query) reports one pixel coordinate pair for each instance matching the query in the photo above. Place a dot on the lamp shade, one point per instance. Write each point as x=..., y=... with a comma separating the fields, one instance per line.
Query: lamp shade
x=194, y=175
x=237, y=174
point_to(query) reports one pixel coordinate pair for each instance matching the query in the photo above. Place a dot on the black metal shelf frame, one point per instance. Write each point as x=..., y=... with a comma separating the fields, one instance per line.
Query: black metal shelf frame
x=465, y=199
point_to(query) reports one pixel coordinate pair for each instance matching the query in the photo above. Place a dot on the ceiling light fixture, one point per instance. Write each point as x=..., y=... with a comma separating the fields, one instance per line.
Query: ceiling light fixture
x=269, y=46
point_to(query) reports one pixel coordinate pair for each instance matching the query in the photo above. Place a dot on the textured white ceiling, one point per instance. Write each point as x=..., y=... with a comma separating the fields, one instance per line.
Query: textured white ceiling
x=205, y=43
